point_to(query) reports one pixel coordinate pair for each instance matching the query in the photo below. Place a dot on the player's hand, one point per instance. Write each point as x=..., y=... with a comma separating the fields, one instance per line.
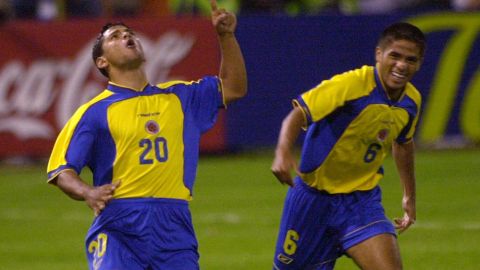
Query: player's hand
x=98, y=197
x=282, y=167
x=409, y=217
x=223, y=21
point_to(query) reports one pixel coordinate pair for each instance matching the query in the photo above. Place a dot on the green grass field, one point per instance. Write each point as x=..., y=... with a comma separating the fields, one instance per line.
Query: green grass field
x=236, y=212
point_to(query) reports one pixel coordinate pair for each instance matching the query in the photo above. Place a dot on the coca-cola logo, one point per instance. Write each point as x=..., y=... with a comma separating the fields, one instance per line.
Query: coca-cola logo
x=28, y=92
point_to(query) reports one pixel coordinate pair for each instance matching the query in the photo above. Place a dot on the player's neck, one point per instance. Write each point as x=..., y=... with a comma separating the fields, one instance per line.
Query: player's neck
x=133, y=79
x=394, y=94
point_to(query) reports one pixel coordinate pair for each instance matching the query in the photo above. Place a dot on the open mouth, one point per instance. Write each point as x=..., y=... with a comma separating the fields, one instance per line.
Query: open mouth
x=130, y=43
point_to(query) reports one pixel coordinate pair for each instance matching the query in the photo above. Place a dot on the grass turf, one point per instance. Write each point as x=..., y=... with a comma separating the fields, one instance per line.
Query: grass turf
x=236, y=212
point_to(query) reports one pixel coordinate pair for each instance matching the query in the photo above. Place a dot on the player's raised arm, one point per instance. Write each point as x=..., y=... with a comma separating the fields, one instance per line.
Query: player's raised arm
x=232, y=68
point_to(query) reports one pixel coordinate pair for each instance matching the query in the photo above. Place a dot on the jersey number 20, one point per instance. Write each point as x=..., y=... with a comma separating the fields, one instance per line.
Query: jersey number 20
x=158, y=145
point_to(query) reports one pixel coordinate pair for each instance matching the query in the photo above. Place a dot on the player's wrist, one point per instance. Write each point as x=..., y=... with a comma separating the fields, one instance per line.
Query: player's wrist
x=283, y=150
x=87, y=193
x=409, y=198
x=226, y=35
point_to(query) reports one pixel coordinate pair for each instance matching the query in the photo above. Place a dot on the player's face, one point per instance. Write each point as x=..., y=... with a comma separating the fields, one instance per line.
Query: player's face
x=121, y=47
x=397, y=63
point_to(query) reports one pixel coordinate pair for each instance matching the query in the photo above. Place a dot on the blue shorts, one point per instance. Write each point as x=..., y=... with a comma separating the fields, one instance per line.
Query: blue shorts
x=317, y=227
x=139, y=234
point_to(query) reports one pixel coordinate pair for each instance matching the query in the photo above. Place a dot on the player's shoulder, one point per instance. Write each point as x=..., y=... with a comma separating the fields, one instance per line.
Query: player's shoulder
x=358, y=81
x=93, y=104
x=412, y=92
x=180, y=83
x=103, y=97
x=360, y=75
x=169, y=84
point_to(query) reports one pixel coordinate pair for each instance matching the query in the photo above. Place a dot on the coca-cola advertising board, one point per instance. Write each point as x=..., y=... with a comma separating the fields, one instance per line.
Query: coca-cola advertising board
x=47, y=72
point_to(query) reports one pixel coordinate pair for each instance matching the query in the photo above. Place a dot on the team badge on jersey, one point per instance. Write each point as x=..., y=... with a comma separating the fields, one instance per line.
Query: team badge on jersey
x=152, y=127
x=382, y=135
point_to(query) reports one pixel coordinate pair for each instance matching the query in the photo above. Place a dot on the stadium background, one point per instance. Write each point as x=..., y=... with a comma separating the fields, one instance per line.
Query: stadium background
x=46, y=72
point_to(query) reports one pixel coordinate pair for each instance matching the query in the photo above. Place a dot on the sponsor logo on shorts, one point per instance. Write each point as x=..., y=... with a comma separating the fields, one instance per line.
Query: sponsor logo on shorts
x=284, y=259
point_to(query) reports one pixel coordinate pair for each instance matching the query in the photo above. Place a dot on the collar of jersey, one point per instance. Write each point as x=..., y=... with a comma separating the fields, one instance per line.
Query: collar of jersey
x=127, y=90
x=383, y=91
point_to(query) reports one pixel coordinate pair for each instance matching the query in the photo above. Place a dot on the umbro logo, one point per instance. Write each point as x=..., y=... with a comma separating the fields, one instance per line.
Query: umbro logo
x=284, y=259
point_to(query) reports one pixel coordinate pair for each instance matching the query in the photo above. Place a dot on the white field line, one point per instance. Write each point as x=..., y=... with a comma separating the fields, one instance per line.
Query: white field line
x=228, y=218
x=32, y=215
x=436, y=225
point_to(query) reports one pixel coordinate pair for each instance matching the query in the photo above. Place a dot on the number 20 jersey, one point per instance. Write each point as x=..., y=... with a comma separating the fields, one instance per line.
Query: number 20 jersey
x=148, y=139
x=351, y=126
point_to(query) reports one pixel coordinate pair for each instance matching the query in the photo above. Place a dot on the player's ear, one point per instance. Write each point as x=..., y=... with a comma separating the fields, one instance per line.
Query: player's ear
x=101, y=62
x=378, y=54
x=419, y=64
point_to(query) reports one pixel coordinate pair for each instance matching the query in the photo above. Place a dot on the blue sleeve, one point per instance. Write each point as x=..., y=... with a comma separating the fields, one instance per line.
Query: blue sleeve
x=79, y=150
x=402, y=137
x=412, y=106
x=204, y=98
x=73, y=145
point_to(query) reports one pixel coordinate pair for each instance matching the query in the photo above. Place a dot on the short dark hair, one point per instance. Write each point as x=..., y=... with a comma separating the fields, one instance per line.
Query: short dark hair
x=97, y=49
x=403, y=31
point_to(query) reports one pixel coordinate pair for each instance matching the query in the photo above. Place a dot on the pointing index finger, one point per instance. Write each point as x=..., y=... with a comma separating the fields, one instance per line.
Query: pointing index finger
x=213, y=5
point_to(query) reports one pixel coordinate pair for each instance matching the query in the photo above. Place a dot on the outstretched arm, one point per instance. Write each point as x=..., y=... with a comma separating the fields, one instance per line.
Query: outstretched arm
x=404, y=155
x=232, y=67
x=284, y=161
x=95, y=197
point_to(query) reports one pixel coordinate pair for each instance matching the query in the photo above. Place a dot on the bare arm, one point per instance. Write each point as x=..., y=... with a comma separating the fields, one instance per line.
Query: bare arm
x=284, y=162
x=232, y=67
x=404, y=155
x=95, y=197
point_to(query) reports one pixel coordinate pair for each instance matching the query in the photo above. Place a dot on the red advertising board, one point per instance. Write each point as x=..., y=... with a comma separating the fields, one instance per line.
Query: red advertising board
x=47, y=72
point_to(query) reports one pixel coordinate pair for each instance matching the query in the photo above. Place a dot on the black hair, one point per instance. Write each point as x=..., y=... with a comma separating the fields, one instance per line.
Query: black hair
x=97, y=49
x=403, y=31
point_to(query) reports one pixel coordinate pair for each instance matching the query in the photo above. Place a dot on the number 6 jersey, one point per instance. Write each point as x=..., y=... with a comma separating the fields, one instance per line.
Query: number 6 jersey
x=352, y=124
x=147, y=139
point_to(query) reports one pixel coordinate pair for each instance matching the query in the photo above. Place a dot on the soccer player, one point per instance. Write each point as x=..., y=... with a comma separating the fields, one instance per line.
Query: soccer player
x=352, y=120
x=141, y=142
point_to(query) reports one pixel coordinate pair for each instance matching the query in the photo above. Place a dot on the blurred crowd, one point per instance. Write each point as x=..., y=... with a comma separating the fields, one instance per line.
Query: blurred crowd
x=65, y=9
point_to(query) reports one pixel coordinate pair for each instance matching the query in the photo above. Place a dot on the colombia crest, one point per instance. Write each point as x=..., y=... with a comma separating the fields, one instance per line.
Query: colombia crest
x=152, y=127
x=382, y=135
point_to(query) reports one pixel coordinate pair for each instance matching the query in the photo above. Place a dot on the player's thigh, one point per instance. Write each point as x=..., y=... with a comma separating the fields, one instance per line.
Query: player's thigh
x=305, y=241
x=175, y=246
x=105, y=251
x=369, y=237
x=379, y=252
